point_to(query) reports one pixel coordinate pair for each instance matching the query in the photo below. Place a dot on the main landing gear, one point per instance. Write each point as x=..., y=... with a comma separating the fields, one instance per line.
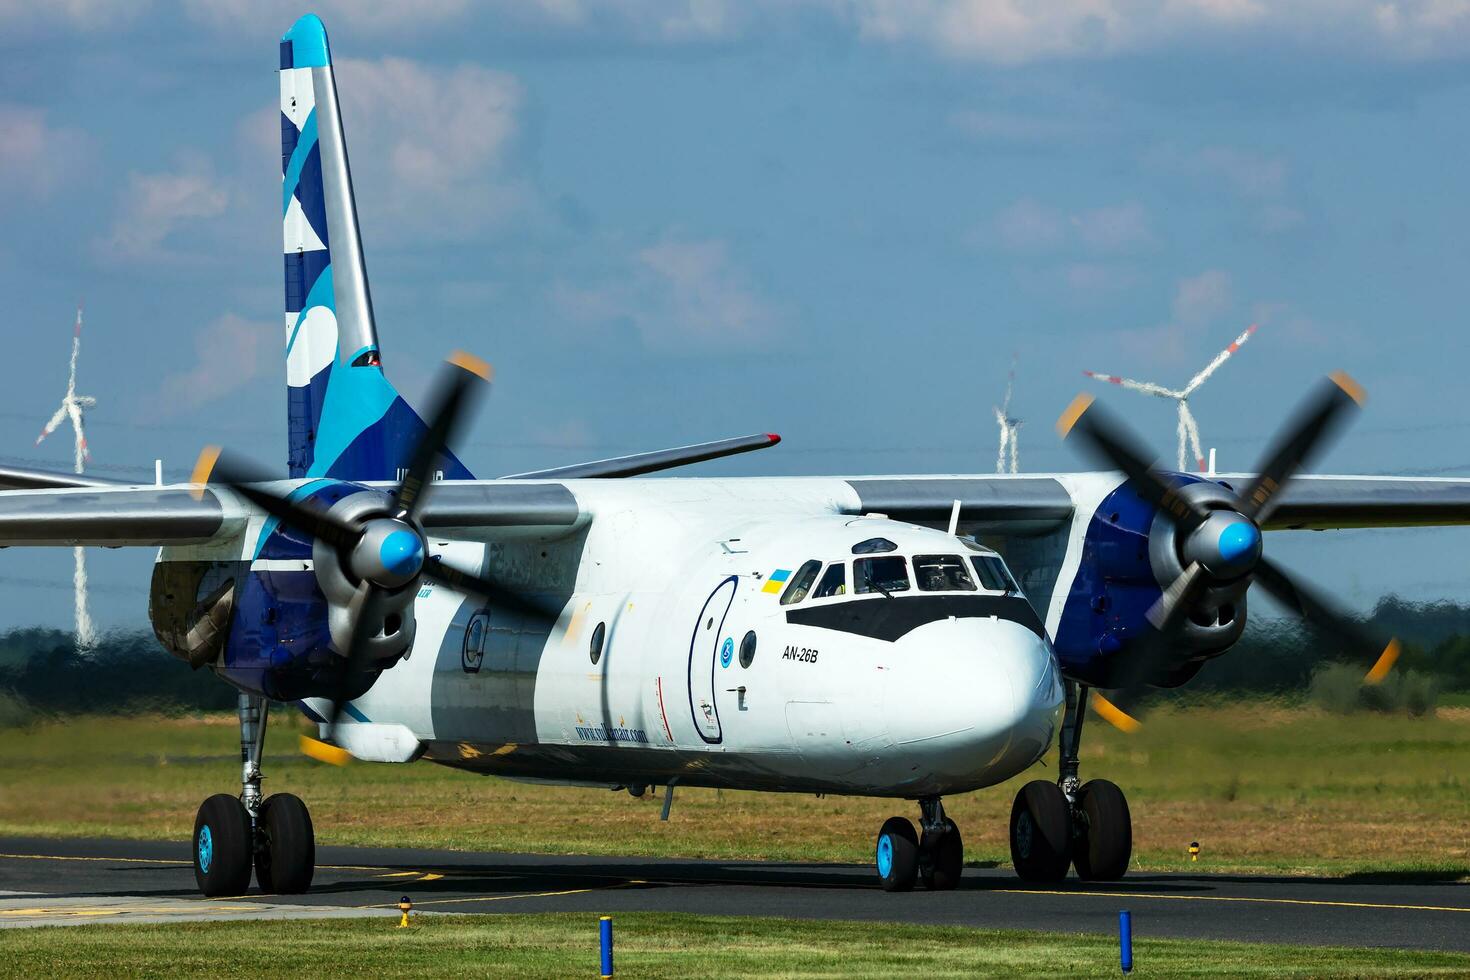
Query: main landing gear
x=271, y=834
x=935, y=857
x=1085, y=825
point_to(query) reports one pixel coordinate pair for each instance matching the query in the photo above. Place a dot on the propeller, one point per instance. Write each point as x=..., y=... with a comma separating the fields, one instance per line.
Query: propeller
x=383, y=553
x=1221, y=543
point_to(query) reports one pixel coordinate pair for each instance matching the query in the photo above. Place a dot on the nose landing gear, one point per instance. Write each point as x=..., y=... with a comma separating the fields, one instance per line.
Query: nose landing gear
x=935, y=858
x=274, y=834
x=1086, y=825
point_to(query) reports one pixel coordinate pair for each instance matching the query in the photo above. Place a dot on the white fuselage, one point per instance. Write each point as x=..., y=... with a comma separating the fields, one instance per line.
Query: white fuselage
x=912, y=694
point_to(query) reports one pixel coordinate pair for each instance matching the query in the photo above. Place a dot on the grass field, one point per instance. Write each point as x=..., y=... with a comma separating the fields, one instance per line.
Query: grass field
x=1261, y=788
x=656, y=945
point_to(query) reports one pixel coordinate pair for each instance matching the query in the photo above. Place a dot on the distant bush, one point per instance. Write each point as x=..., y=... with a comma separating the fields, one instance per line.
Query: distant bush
x=1339, y=688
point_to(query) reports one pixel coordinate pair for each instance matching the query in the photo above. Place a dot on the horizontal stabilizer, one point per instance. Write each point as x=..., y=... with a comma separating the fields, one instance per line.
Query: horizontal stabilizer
x=662, y=459
x=14, y=478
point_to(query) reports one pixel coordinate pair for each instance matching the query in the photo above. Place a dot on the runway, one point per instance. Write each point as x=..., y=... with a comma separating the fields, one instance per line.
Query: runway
x=45, y=882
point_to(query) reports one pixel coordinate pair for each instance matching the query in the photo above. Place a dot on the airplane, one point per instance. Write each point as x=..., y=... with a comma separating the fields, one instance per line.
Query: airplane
x=907, y=637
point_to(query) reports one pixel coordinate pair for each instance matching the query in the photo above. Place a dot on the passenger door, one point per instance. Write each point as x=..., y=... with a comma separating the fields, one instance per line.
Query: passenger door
x=704, y=652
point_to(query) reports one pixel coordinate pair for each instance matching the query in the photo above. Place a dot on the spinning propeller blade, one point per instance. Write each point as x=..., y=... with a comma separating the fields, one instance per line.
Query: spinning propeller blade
x=1222, y=544
x=384, y=554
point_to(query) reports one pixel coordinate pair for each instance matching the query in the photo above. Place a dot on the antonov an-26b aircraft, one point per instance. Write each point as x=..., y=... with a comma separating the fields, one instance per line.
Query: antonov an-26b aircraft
x=907, y=637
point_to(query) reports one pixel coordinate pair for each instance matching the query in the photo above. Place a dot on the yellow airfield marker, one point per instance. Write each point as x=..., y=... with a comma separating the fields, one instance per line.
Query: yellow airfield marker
x=404, y=906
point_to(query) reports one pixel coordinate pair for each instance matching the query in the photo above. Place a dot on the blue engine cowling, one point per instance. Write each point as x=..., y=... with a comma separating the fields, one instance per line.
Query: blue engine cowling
x=261, y=624
x=1128, y=555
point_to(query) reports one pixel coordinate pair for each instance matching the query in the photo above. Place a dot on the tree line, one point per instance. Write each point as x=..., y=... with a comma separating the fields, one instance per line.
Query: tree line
x=41, y=672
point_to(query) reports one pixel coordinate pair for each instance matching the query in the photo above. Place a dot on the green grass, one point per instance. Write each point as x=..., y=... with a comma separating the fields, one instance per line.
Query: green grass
x=1262, y=788
x=656, y=945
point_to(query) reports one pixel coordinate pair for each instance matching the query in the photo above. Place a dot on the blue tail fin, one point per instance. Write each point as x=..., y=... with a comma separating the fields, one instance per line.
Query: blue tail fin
x=346, y=420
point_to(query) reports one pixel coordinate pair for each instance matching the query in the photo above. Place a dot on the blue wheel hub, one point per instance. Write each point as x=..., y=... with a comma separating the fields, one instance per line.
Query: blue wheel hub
x=206, y=849
x=885, y=855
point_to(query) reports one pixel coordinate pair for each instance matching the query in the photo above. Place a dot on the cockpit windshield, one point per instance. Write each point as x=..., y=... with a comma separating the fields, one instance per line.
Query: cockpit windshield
x=993, y=574
x=886, y=575
x=834, y=581
x=942, y=573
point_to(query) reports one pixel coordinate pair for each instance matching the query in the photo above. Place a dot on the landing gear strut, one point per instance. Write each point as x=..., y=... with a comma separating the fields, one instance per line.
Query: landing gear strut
x=1086, y=825
x=935, y=858
x=272, y=834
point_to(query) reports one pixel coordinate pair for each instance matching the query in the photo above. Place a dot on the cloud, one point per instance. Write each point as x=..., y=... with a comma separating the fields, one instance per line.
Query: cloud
x=1030, y=226
x=84, y=15
x=156, y=205
x=36, y=157
x=1259, y=182
x=231, y=351
x=1199, y=299
x=1014, y=32
x=432, y=143
x=680, y=295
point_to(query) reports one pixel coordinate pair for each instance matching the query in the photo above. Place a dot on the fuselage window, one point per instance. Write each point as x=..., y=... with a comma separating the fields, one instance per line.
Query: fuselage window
x=942, y=573
x=885, y=575
x=994, y=576
x=801, y=583
x=834, y=582
x=594, y=649
x=747, y=649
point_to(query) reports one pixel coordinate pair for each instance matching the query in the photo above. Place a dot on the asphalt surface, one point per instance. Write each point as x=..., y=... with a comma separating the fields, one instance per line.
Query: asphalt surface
x=44, y=882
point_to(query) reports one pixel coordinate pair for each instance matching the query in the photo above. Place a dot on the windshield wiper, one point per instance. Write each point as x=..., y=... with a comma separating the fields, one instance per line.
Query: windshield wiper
x=886, y=593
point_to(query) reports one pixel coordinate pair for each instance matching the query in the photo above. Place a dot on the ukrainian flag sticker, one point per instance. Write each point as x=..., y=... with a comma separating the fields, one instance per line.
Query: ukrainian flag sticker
x=777, y=580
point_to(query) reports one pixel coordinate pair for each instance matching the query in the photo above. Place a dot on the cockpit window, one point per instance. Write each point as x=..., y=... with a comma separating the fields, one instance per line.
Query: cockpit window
x=801, y=583
x=994, y=576
x=942, y=573
x=885, y=575
x=834, y=582
x=874, y=546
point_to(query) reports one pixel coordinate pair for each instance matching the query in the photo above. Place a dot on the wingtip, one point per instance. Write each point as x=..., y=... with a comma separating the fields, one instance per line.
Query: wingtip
x=477, y=366
x=1114, y=715
x=1384, y=663
x=1350, y=387
x=1074, y=411
x=324, y=752
x=772, y=438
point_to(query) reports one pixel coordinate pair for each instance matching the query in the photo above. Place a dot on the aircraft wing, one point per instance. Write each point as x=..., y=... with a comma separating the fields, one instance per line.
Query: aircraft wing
x=1325, y=502
x=1035, y=504
x=117, y=517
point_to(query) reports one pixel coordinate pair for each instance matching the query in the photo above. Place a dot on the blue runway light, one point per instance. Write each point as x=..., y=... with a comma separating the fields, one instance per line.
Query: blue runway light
x=606, y=931
x=1125, y=940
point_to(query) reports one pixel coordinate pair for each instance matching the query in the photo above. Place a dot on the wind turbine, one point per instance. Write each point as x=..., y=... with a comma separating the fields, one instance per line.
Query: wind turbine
x=72, y=405
x=1188, y=427
x=1009, y=427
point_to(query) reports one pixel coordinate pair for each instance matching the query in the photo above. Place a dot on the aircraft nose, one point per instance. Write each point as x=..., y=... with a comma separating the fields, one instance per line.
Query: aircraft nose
x=972, y=697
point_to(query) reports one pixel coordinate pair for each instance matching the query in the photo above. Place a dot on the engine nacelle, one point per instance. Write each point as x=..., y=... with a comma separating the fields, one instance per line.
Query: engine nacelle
x=1129, y=554
x=277, y=623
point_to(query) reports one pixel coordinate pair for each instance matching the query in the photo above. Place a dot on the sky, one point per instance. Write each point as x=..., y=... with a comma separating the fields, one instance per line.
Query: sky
x=839, y=220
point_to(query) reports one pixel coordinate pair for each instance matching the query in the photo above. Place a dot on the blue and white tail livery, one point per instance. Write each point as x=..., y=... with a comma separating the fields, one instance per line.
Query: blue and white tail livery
x=345, y=419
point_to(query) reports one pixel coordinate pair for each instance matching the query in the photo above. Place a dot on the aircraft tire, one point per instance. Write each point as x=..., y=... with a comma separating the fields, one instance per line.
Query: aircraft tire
x=286, y=857
x=1041, y=832
x=946, y=859
x=1105, y=840
x=222, y=847
x=897, y=858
